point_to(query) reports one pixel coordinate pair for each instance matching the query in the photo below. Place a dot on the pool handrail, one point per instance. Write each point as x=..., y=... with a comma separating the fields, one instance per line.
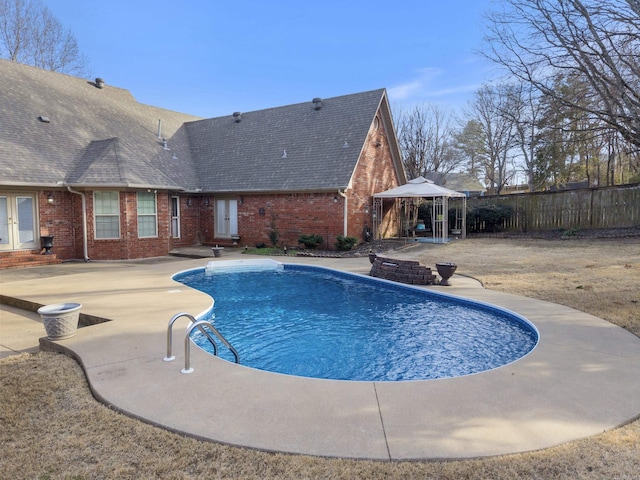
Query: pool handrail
x=170, y=357
x=201, y=325
x=187, y=344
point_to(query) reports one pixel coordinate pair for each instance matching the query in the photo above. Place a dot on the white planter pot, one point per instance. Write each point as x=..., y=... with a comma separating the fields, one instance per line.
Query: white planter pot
x=60, y=320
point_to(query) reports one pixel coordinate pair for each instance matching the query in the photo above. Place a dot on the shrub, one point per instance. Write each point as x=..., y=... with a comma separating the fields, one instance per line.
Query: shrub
x=489, y=218
x=345, y=243
x=570, y=233
x=274, y=237
x=274, y=234
x=310, y=241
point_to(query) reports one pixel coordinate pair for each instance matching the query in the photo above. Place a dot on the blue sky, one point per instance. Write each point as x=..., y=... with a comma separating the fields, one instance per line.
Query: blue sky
x=211, y=58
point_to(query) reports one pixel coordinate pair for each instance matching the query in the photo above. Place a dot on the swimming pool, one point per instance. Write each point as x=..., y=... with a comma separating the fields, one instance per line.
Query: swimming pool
x=317, y=322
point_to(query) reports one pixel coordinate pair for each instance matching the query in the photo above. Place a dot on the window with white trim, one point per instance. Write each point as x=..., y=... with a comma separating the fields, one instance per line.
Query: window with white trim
x=106, y=213
x=147, y=215
x=175, y=217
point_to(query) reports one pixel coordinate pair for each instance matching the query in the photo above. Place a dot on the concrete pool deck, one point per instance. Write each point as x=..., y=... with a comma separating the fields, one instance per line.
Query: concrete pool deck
x=580, y=380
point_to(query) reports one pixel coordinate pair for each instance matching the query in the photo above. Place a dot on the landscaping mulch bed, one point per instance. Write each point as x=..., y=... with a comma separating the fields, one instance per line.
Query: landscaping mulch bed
x=362, y=250
x=386, y=245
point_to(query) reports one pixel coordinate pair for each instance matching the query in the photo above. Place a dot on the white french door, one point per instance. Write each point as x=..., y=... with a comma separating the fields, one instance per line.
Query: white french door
x=18, y=221
x=226, y=218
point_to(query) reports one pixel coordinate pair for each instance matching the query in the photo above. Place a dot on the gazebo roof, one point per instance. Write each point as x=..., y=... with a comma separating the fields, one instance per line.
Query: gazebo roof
x=419, y=188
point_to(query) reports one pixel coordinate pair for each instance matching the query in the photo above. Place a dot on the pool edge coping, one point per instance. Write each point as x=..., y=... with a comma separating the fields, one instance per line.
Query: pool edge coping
x=122, y=389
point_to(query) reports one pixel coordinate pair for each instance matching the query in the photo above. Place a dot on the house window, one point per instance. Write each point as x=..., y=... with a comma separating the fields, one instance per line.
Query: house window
x=147, y=215
x=107, y=214
x=175, y=217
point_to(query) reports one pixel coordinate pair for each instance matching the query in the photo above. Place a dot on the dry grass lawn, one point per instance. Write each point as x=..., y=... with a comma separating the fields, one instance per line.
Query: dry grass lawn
x=52, y=428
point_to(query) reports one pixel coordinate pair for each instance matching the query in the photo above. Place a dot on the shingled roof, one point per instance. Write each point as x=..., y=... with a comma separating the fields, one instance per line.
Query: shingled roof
x=301, y=147
x=57, y=128
x=458, y=181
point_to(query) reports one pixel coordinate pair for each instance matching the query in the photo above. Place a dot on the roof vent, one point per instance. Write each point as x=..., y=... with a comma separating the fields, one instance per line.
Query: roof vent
x=317, y=103
x=44, y=119
x=99, y=83
x=237, y=116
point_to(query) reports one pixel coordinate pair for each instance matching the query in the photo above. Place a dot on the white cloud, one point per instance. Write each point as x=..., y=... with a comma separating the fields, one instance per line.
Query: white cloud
x=435, y=84
x=404, y=91
x=417, y=86
x=453, y=90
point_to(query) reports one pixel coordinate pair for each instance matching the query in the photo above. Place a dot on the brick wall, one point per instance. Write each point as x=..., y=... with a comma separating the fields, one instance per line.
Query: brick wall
x=129, y=245
x=207, y=209
x=292, y=215
x=63, y=220
x=374, y=173
x=190, y=233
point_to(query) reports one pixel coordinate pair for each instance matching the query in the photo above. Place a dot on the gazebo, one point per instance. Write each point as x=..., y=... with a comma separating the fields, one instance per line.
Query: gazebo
x=408, y=198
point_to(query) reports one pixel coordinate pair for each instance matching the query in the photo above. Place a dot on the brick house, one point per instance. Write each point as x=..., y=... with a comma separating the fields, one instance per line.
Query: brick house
x=110, y=178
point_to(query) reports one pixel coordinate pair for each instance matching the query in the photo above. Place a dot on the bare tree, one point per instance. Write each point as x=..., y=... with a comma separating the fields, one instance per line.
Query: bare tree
x=30, y=34
x=523, y=109
x=486, y=109
x=426, y=139
x=412, y=137
x=15, y=26
x=597, y=40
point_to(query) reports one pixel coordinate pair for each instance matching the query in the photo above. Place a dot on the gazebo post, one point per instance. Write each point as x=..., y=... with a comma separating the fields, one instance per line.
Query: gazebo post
x=464, y=217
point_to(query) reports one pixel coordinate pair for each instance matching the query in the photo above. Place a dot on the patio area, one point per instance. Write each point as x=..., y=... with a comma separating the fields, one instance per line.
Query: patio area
x=579, y=381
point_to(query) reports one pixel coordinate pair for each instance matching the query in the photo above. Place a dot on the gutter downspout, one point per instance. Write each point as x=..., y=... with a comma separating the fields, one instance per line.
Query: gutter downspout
x=345, y=212
x=84, y=223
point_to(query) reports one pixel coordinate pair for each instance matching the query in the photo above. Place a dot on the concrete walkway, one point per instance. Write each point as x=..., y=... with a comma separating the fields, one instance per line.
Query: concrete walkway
x=581, y=379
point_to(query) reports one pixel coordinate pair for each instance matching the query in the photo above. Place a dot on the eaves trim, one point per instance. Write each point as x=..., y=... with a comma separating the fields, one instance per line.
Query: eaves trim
x=272, y=192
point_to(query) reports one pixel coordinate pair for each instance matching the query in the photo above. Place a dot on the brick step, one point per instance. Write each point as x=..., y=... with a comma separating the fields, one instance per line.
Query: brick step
x=27, y=258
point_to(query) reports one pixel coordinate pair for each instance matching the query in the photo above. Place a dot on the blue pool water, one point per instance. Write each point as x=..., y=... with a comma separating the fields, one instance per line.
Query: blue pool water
x=316, y=322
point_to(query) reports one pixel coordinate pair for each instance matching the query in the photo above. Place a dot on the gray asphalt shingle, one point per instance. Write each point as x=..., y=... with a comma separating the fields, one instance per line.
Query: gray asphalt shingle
x=36, y=153
x=104, y=137
x=322, y=146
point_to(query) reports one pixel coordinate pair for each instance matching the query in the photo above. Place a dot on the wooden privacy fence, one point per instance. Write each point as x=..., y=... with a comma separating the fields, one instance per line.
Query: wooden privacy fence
x=609, y=207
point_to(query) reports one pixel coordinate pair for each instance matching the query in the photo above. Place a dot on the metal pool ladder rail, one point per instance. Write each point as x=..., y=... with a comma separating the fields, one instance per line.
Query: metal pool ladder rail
x=206, y=329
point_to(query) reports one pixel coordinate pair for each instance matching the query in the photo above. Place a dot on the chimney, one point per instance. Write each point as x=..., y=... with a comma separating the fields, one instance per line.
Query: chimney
x=237, y=116
x=317, y=103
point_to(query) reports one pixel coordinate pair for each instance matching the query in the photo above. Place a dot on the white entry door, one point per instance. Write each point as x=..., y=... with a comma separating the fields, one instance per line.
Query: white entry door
x=17, y=221
x=226, y=218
